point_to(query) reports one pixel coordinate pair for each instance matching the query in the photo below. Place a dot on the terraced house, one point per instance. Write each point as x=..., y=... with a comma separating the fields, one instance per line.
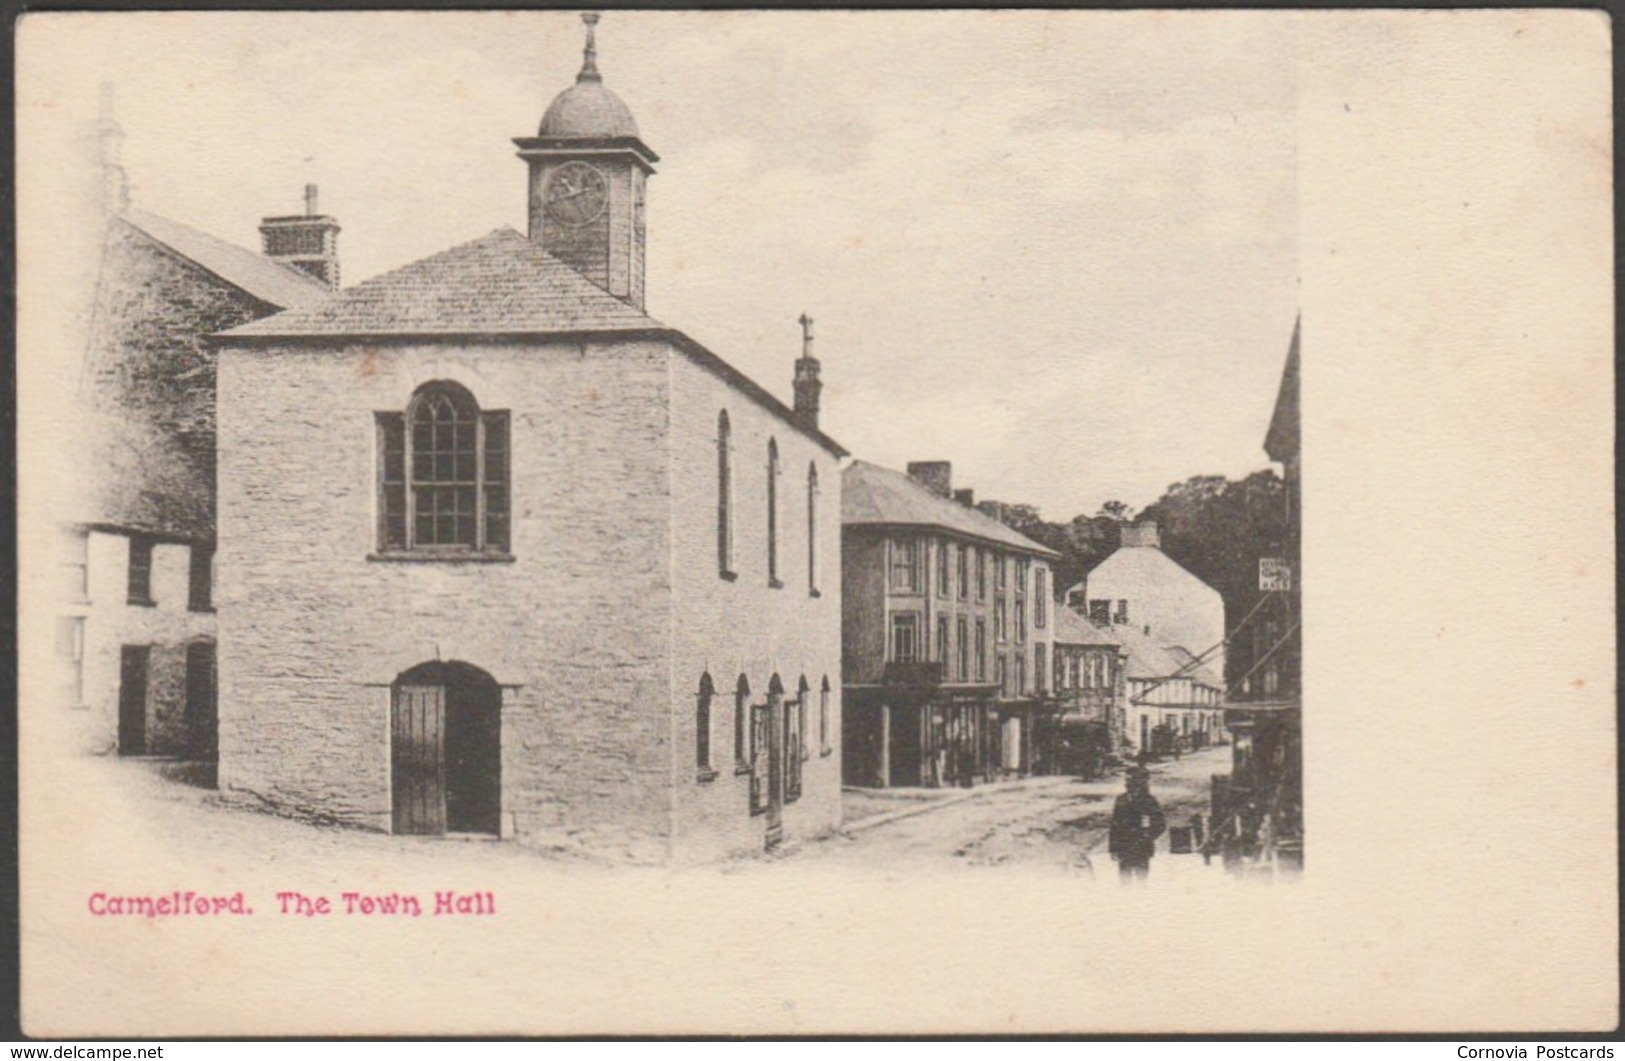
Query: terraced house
x=947, y=631
x=503, y=554
x=135, y=625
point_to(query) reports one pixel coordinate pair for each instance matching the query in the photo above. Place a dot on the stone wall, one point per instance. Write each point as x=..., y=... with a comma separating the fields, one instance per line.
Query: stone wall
x=744, y=625
x=576, y=627
x=154, y=380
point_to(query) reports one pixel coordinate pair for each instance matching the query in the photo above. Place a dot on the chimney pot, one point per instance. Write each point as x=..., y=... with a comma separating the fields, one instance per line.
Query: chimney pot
x=966, y=498
x=936, y=476
x=310, y=201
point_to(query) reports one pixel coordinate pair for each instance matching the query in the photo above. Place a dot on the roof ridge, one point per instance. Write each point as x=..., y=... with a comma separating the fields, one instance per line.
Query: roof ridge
x=497, y=283
x=980, y=525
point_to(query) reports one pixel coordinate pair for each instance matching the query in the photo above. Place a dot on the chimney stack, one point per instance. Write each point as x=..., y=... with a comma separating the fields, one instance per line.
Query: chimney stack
x=308, y=241
x=935, y=476
x=807, y=384
x=966, y=498
x=1142, y=534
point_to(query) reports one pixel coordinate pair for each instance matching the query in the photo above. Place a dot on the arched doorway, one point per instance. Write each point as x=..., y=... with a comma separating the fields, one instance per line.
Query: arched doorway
x=446, y=750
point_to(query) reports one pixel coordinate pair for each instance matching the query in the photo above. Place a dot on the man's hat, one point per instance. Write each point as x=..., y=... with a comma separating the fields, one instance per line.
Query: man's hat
x=1138, y=773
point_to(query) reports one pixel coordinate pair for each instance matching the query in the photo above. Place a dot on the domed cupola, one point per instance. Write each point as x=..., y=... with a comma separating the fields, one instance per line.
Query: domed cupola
x=587, y=110
x=588, y=169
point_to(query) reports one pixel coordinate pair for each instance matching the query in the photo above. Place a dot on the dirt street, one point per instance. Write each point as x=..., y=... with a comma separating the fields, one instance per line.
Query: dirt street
x=1055, y=822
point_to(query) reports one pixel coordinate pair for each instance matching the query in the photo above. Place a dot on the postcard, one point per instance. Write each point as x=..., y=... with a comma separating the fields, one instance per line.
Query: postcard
x=825, y=522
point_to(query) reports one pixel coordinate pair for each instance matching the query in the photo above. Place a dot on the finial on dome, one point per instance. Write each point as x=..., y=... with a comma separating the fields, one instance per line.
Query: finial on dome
x=589, y=55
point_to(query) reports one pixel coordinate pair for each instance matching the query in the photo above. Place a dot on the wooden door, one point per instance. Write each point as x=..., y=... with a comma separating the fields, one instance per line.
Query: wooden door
x=417, y=758
x=201, y=715
x=132, y=700
x=775, y=772
x=472, y=739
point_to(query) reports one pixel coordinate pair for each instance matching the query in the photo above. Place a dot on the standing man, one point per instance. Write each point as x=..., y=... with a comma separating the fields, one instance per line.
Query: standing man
x=1137, y=821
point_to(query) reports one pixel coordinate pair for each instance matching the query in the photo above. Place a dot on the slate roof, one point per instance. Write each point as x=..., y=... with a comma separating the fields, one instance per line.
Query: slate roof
x=1200, y=671
x=876, y=496
x=1146, y=657
x=1073, y=629
x=270, y=281
x=501, y=283
x=1148, y=565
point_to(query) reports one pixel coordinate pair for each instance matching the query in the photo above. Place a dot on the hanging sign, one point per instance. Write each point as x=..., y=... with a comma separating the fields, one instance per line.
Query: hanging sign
x=1274, y=575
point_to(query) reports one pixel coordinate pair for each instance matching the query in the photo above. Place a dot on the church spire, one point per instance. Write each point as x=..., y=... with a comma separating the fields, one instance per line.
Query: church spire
x=589, y=54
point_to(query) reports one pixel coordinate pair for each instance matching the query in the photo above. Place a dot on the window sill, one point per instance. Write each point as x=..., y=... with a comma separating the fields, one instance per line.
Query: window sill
x=200, y=611
x=448, y=557
x=774, y=583
x=728, y=576
x=705, y=775
x=814, y=593
x=826, y=753
x=141, y=602
x=741, y=769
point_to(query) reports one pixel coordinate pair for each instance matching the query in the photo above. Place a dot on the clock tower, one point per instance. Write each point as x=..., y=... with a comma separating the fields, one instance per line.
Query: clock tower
x=588, y=170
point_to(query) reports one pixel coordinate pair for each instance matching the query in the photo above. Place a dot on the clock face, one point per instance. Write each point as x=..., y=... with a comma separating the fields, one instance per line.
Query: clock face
x=576, y=193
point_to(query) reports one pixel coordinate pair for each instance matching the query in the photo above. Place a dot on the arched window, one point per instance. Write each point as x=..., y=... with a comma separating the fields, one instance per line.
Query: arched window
x=803, y=694
x=812, y=529
x=443, y=475
x=795, y=741
x=741, y=721
x=702, y=728
x=725, y=496
x=773, y=513
x=823, y=718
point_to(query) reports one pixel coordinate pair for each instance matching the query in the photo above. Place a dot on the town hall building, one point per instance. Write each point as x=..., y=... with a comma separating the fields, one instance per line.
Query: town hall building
x=502, y=554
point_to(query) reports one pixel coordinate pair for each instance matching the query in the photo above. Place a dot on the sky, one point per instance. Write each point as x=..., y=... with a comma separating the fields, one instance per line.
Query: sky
x=1059, y=249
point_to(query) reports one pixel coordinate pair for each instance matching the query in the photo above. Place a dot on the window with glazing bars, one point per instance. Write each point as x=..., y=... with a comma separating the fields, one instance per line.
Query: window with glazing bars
x=961, y=649
x=443, y=475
